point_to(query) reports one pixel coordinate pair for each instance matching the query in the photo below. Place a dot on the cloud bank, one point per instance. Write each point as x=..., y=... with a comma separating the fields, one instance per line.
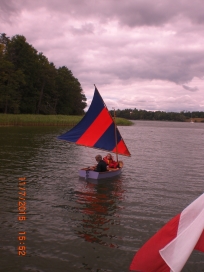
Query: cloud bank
x=140, y=54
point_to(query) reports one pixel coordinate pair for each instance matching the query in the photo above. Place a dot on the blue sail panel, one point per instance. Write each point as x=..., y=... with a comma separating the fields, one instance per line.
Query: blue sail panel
x=76, y=132
x=107, y=140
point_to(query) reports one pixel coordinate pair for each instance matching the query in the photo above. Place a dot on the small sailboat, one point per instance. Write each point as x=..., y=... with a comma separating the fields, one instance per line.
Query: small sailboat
x=98, y=129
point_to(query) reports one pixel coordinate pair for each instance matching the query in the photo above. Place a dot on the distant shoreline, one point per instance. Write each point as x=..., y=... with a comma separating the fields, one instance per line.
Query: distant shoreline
x=63, y=120
x=194, y=120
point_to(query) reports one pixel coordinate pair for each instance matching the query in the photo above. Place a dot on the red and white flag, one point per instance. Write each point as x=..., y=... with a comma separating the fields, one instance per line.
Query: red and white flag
x=169, y=249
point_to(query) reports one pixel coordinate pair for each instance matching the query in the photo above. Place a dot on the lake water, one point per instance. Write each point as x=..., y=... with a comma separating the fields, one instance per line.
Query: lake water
x=74, y=225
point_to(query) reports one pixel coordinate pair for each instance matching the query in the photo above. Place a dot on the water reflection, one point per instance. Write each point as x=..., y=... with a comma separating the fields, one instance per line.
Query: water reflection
x=78, y=226
x=99, y=203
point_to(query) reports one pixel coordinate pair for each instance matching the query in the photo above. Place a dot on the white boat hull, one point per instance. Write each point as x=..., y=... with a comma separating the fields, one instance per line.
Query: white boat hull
x=90, y=174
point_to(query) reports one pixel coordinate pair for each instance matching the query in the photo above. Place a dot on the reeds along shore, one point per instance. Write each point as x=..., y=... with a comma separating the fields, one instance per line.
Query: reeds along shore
x=195, y=120
x=47, y=120
x=58, y=120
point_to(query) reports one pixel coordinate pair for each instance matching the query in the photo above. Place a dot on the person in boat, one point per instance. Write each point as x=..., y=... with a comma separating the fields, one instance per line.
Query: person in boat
x=110, y=162
x=101, y=166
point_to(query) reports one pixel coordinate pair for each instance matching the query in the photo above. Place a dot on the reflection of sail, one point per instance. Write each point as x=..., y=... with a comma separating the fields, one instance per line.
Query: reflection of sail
x=98, y=204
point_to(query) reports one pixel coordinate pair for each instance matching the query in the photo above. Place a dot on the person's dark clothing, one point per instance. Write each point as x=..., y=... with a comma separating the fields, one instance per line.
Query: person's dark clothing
x=101, y=167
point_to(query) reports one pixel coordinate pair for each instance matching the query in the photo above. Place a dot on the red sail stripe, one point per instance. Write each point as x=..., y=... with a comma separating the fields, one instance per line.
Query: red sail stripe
x=122, y=149
x=96, y=129
x=200, y=243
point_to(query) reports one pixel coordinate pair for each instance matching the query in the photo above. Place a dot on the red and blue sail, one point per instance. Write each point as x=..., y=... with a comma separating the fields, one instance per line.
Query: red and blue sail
x=97, y=129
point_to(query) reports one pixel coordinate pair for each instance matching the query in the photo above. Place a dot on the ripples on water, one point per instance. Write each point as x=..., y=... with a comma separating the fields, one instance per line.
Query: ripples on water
x=74, y=225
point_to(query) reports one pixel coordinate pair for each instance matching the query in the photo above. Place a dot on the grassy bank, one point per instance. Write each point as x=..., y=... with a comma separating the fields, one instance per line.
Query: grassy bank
x=46, y=120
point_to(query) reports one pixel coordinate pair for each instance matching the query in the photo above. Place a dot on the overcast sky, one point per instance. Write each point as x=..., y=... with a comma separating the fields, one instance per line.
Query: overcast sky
x=141, y=54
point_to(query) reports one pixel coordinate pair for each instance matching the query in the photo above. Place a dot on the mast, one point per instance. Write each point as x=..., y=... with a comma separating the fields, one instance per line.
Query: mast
x=116, y=142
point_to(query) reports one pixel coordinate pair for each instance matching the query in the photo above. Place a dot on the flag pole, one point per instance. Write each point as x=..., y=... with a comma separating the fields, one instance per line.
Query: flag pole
x=116, y=142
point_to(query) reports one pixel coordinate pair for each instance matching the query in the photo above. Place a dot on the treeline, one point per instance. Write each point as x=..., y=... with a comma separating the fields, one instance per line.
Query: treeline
x=135, y=114
x=29, y=83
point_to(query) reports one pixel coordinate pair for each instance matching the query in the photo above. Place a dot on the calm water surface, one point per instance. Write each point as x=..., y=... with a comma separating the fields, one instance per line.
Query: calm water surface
x=74, y=225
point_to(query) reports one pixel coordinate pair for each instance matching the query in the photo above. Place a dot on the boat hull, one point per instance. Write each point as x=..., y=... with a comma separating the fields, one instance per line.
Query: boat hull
x=90, y=174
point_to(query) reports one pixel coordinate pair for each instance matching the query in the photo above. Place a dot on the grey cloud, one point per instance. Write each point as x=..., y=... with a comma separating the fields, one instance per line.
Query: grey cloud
x=191, y=89
x=174, y=66
x=118, y=57
x=129, y=72
x=7, y=6
x=142, y=100
x=83, y=30
x=119, y=61
x=131, y=13
x=7, y=9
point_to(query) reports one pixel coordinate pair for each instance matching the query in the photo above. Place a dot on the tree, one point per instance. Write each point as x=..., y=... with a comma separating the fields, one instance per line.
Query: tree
x=71, y=100
x=10, y=79
x=25, y=58
x=47, y=78
x=29, y=83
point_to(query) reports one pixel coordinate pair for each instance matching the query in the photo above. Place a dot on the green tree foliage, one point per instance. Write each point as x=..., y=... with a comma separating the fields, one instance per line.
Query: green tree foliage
x=135, y=114
x=69, y=89
x=10, y=81
x=29, y=83
x=193, y=114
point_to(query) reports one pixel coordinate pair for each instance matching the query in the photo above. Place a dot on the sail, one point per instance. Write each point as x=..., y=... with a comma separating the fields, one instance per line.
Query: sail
x=97, y=129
